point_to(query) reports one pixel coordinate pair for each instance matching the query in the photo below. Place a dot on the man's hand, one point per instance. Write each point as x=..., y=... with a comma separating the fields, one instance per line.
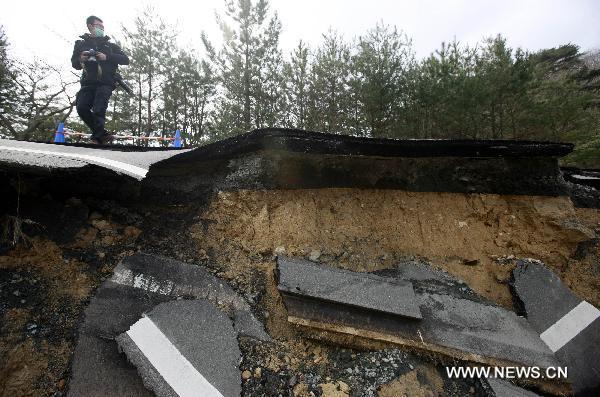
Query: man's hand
x=101, y=56
x=84, y=56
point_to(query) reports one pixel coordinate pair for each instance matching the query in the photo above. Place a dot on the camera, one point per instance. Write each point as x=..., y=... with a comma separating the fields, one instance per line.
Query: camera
x=91, y=54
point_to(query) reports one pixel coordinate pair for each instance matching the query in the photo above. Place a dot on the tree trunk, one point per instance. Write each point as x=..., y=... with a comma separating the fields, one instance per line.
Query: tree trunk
x=247, y=87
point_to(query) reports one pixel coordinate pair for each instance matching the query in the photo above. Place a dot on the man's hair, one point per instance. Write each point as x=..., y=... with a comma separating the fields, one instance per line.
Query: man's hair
x=91, y=19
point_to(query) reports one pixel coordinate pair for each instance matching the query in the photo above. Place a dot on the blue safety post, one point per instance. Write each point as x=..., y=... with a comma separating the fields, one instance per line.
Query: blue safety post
x=177, y=141
x=60, y=133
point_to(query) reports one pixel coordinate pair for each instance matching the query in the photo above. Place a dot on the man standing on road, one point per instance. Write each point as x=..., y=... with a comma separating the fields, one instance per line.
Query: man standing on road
x=99, y=60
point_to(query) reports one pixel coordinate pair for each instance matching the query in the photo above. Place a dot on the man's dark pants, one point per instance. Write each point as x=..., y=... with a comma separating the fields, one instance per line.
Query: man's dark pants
x=92, y=102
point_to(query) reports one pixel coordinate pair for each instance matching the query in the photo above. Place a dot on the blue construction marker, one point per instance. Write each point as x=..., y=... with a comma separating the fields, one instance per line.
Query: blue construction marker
x=60, y=133
x=177, y=141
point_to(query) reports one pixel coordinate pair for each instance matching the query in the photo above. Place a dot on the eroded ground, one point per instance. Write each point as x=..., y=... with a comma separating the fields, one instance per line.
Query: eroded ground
x=472, y=236
x=45, y=284
x=72, y=245
x=475, y=237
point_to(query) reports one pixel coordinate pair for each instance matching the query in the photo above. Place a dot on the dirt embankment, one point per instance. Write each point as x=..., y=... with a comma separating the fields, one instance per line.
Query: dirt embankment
x=477, y=237
x=473, y=236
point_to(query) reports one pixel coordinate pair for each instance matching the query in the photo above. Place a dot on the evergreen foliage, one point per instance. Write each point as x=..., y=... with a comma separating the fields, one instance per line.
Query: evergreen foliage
x=370, y=86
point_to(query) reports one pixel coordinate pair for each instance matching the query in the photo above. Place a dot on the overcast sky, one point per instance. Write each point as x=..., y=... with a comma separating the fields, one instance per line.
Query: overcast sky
x=48, y=29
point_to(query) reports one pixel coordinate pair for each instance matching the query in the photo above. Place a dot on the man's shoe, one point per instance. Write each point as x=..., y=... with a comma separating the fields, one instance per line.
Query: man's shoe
x=95, y=141
x=107, y=138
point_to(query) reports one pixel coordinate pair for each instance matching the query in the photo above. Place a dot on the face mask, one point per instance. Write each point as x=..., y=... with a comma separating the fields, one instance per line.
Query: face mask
x=98, y=32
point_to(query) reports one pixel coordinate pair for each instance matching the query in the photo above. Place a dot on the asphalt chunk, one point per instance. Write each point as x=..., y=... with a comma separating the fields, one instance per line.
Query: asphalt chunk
x=426, y=278
x=176, y=279
x=98, y=369
x=361, y=290
x=567, y=324
x=185, y=348
x=452, y=325
x=139, y=283
x=545, y=298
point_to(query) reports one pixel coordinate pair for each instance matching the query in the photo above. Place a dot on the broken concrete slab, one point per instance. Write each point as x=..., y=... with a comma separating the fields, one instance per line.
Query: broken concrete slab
x=567, y=324
x=305, y=279
x=471, y=330
x=493, y=387
x=185, y=348
x=140, y=283
x=177, y=279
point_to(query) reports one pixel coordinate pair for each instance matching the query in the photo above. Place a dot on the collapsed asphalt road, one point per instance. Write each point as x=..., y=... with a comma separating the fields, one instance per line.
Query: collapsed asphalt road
x=46, y=158
x=289, y=159
x=203, y=228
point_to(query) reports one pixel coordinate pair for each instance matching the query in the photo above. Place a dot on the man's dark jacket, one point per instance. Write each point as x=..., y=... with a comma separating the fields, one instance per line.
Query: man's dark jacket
x=100, y=72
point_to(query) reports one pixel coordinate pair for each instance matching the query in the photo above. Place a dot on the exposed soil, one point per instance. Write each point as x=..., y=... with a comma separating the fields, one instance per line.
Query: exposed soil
x=475, y=237
x=582, y=274
x=38, y=329
x=64, y=252
x=472, y=236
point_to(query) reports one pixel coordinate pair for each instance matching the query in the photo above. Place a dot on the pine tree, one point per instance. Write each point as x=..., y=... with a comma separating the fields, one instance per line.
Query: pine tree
x=562, y=99
x=8, y=97
x=268, y=85
x=297, y=73
x=380, y=77
x=151, y=43
x=249, y=67
x=204, y=88
x=330, y=101
x=189, y=85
